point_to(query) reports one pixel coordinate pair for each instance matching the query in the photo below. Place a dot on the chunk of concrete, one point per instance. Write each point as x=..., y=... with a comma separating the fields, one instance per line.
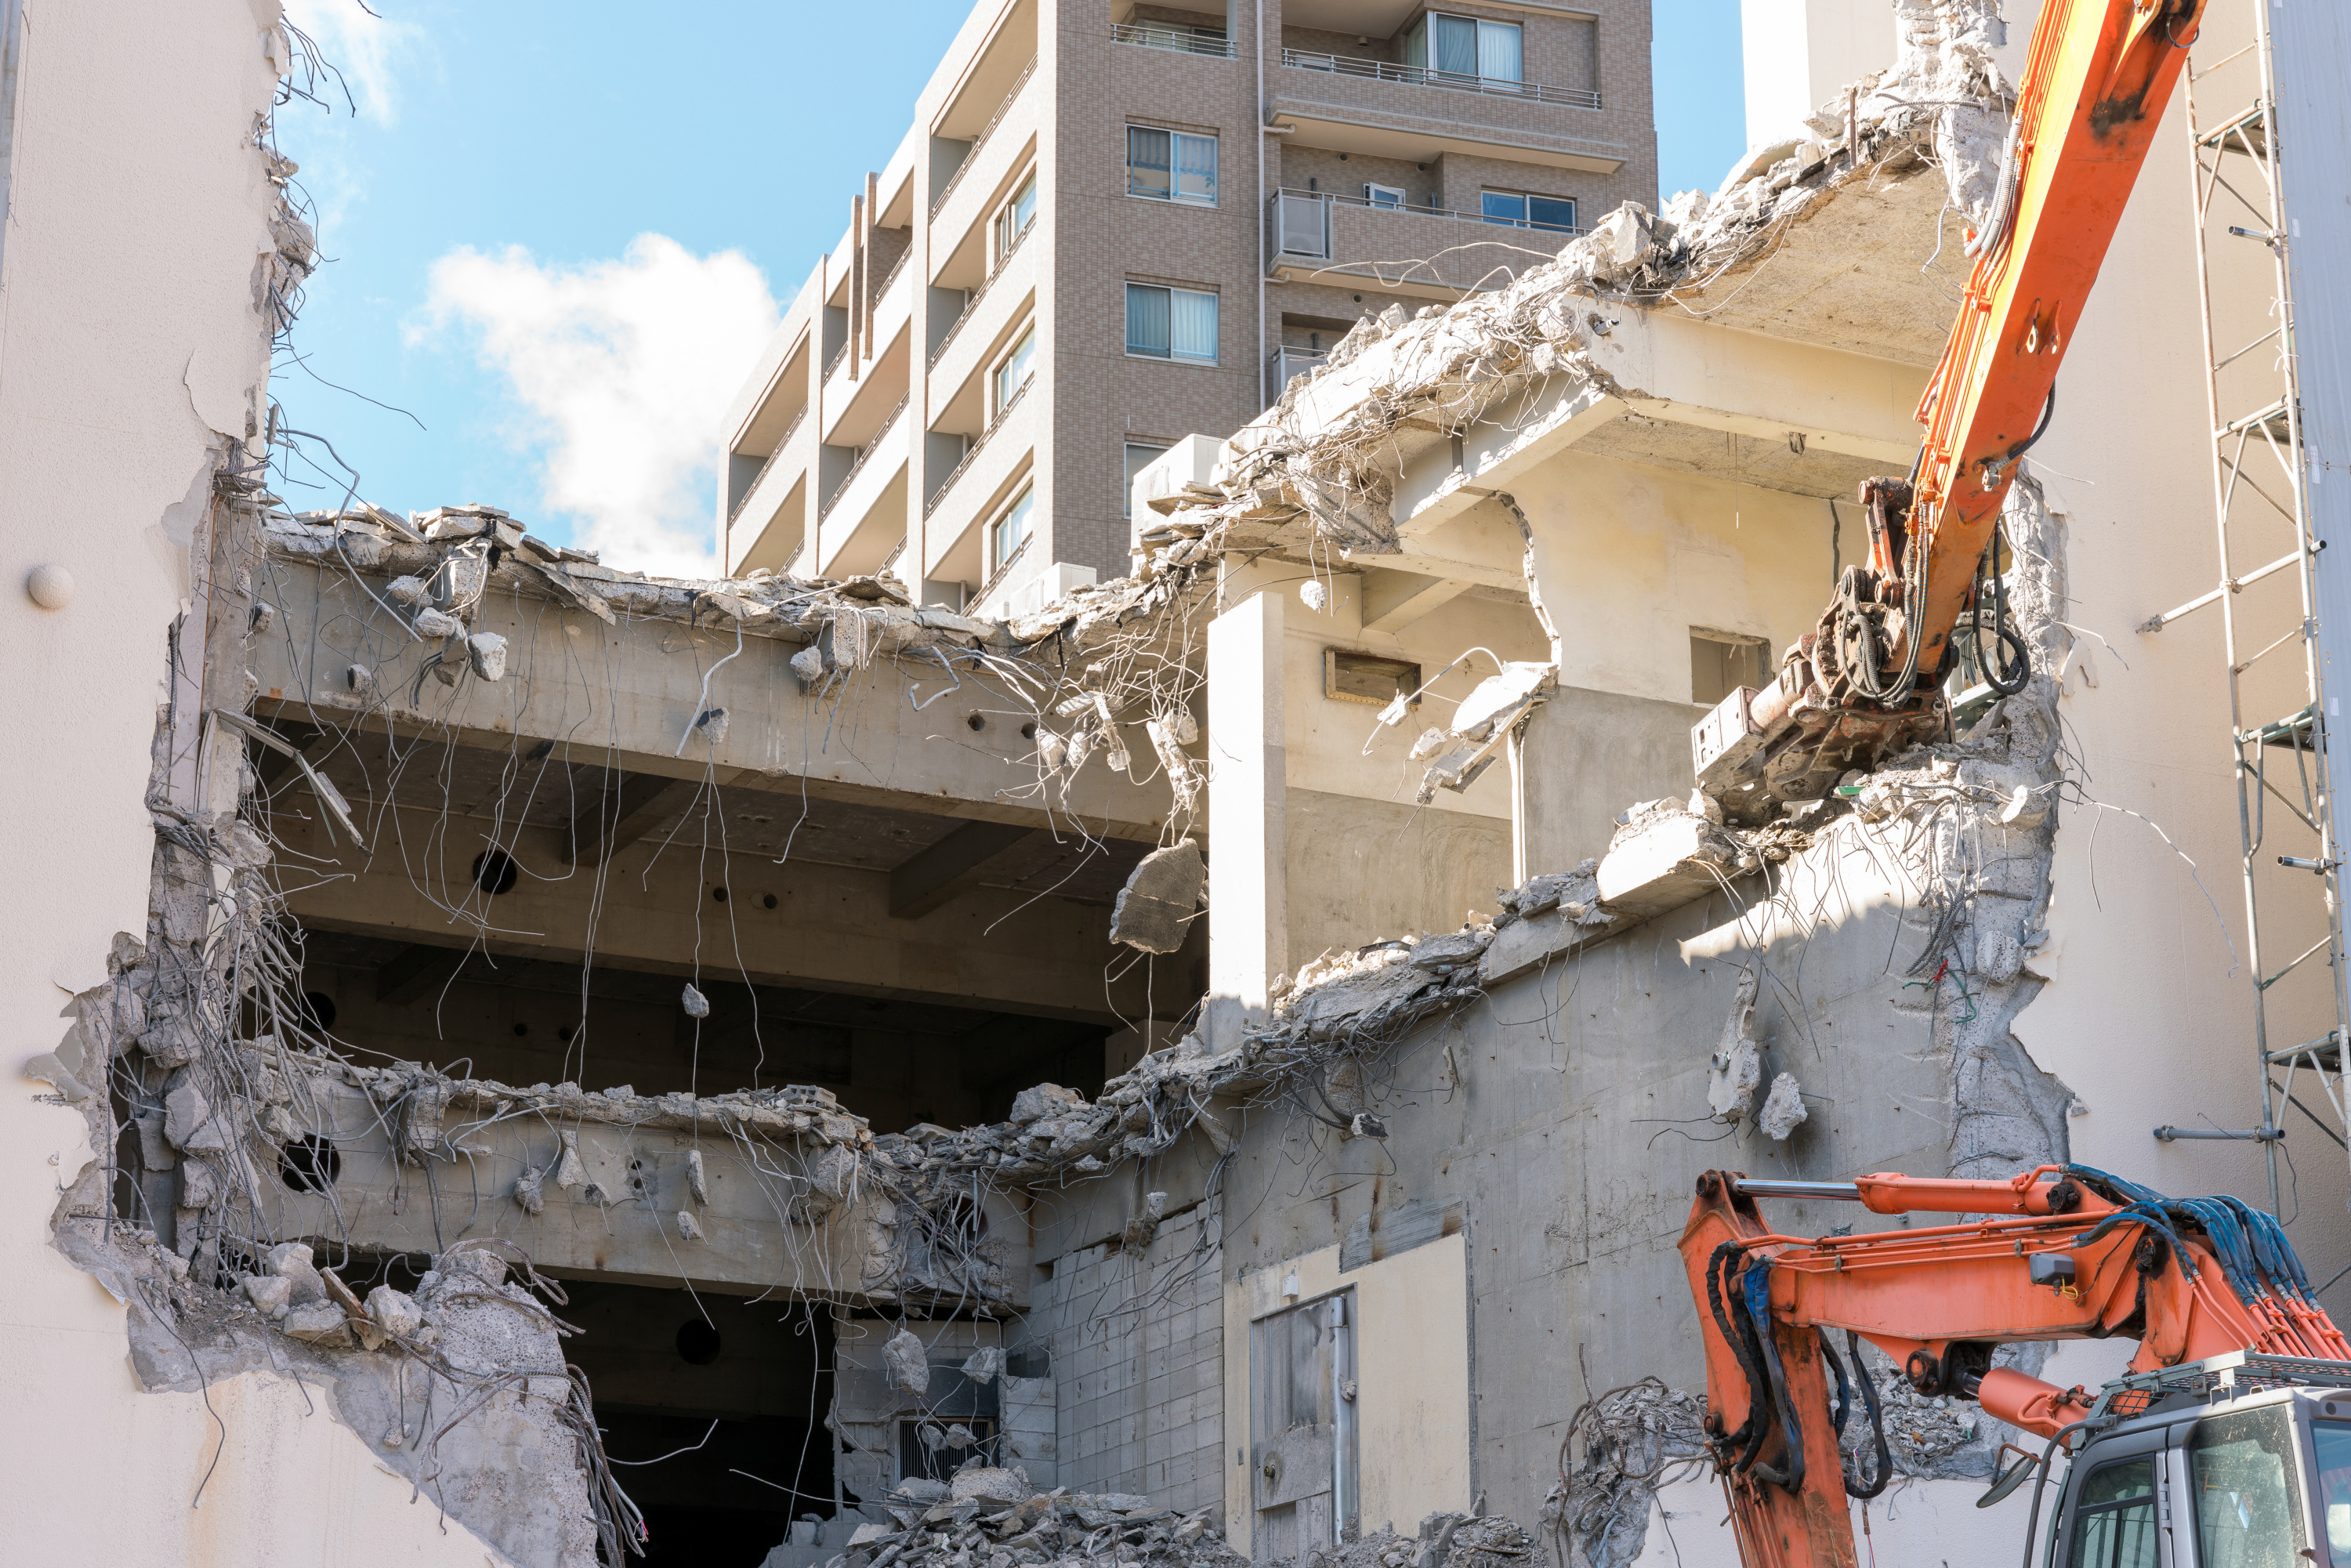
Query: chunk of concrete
x=984, y=1363
x=394, y=1311
x=1448, y=951
x=688, y=1228
x=320, y=1324
x=530, y=1192
x=1154, y=909
x=1736, y=1070
x=1670, y=862
x=1040, y=1101
x=985, y=1483
x=1783, y=1108
x=271, y=1294
x=907, y=1364
x=292, y=1261
x=189, y=1122
x=486, y=653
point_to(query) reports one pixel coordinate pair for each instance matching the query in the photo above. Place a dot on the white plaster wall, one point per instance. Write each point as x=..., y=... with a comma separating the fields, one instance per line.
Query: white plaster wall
x=127, y=338
x=2149, y=1014
x=1800, y=53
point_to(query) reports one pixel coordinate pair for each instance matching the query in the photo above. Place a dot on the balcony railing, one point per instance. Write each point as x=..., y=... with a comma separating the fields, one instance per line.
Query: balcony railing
x=1470, y=250
x=833, y=363
x=973, y=450
x=1177, y=36
x=864, y=453
x=891, y=276
x=980, y=293
x=980, y=140
x=785, y=440
x=1422, y=75
x=1284, y=366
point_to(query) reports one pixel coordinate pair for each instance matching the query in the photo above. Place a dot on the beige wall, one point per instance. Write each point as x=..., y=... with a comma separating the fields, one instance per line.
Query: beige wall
x=1411, y=1321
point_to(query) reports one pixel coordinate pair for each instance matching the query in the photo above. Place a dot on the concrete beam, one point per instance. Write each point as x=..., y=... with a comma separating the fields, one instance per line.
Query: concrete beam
x=416, y=969
x=627, y=695
x=1394, y=599
x=934, y=875
x=1665, y=366
x=626, y=811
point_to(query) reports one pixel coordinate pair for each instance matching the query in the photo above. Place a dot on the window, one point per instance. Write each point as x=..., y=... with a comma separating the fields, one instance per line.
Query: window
x=1139, y=457
x=1171, y=323
x=1351, y=677
x=2114, y=1522
x=1011, y=529
x=1171, y=165
x=1384, y=195
x=1721, y=662
x=1467, y=47
x=2241, y=1471
x=1013, y=218
x=1520, y=210
x=1013, y=371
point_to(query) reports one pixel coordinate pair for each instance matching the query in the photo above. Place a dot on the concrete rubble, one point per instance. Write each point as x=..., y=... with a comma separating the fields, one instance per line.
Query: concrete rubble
x=992, y=1517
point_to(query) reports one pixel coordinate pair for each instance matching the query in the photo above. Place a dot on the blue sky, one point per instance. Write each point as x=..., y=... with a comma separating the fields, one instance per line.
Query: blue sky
x=559, y=234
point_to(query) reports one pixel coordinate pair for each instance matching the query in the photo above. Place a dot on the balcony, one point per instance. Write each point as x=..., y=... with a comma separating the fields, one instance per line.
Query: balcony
x=1422, y=75
x=971, y=155
x=865, y=455
x=1319, y=237
x=1177, y=36
x=1286, y=365
x=760, y=477
x=866, y=512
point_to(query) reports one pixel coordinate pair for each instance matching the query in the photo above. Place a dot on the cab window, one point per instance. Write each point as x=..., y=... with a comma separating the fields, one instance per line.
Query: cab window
x=2113, y=1518
x=2241, y=1475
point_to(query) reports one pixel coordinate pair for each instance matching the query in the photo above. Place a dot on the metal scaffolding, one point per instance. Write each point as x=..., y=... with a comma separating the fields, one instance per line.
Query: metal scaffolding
x=2274, y=640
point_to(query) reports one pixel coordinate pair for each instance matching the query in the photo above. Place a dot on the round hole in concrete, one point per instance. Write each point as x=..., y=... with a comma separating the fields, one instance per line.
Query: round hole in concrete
x=521, y=1029
x=1028, y=732
x=494, y=872
x=309, y=1164
x=319, y=1012
x=767, y=901
x=975, y=721
x=718, y=895
x=698, y=1342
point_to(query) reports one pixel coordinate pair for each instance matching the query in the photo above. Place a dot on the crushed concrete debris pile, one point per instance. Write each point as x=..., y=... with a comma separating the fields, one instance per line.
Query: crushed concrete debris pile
x=992, y=1517
x=1443, y=1541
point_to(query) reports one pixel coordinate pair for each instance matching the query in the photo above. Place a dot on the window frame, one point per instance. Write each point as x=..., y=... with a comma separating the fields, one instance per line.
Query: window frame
x=1526, y=218
x=1022, y=504
x=1402, y=197
x=1170, y=290
x=1175, y=195
x=1422, y=41
x=1003, y=234
x=1128, y=448
x=998, y=397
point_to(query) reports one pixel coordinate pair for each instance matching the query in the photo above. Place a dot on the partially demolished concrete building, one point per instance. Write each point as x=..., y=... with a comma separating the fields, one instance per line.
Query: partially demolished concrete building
x=531, y=1063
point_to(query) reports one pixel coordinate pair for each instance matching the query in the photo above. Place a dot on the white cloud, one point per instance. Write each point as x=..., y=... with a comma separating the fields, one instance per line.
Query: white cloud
x=362, y=47
x=622, y=371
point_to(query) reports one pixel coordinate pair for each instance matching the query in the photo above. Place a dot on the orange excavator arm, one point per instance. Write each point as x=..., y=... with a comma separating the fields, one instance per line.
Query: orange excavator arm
x=1866, y=682
x=2057, y=1253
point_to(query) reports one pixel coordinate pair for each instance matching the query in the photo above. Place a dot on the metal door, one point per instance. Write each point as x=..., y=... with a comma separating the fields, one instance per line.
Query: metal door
x=1301, y=1422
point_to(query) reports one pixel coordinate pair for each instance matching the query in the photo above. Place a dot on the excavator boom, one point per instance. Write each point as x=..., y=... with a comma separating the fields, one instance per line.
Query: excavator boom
x=2055, y=1254
x=1866, y=681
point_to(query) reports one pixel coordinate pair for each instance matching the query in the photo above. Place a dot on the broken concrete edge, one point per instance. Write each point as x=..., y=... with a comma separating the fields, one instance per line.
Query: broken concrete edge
x=1314, y=466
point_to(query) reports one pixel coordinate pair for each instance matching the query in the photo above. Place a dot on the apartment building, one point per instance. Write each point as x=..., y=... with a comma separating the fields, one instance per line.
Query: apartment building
x=1110, y=226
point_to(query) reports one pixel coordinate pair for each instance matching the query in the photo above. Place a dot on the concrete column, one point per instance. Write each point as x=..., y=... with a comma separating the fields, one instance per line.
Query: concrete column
x=1249, y=915
x=1800, y=53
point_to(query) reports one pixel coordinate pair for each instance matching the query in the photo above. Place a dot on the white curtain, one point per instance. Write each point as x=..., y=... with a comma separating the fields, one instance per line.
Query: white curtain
x=1500, y=52
x=1146, y=161
x=1455, y=39
x=1195, y=325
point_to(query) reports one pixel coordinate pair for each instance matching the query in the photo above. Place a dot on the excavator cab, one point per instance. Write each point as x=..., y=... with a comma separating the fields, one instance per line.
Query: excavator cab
x=2210, y=1476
